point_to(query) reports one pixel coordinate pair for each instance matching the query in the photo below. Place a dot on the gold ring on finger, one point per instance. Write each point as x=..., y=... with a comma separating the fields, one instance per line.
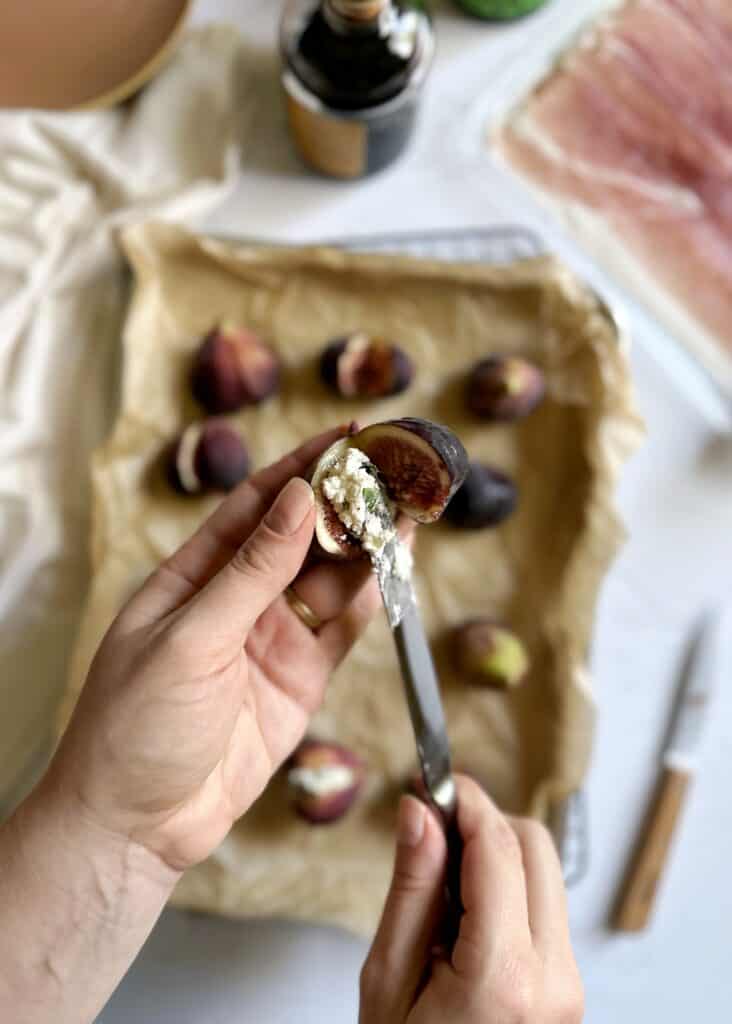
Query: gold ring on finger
x=304, y=612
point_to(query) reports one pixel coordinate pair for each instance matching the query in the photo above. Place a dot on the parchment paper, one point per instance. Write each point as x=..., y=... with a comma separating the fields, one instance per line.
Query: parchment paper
x=540, y=571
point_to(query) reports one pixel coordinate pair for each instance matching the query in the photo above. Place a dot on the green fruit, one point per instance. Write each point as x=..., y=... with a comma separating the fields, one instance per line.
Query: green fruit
x=500, y=10
x=488, y=654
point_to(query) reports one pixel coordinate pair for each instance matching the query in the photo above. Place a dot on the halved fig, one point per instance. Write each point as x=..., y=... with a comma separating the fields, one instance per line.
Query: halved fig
x=362, y=366
x=413, y=463
x=208, y=456
x=421, y=463
x=486, y=498
x=331, y=535
x=324, y=779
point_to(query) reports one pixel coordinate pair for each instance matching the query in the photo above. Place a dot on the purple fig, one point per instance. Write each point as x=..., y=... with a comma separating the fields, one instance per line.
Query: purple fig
x=417, y=464
x=486, y=498
x=421, y=463
x=208, y=456
x=233, y=367
x=488, y=654
x=324, y=779
x=504, y=388
x=362, y=366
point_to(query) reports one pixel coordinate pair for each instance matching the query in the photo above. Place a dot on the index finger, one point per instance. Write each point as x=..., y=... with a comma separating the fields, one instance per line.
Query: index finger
x=492, y=885
x=222, y=534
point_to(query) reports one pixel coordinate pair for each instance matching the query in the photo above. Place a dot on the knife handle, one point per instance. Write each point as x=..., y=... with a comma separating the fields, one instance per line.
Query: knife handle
x=641, y=883
x=453, y=902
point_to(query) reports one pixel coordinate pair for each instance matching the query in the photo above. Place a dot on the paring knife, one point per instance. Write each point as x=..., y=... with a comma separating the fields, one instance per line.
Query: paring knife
x=428, y=719
x=678, y=767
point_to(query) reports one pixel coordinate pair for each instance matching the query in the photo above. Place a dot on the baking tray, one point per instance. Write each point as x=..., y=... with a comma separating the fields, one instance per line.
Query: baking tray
x=503, y=244
x=506, y=190
x=493, y=245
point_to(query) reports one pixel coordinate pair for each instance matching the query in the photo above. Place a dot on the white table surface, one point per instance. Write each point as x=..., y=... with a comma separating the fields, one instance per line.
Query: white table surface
x=676, y=497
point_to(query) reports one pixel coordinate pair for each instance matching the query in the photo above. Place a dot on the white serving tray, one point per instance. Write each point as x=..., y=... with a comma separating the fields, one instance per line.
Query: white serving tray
x=507, y=191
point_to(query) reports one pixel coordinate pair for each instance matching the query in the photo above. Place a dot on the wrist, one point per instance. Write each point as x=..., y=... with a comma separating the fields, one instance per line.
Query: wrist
x=76, y=903
x=56, y=831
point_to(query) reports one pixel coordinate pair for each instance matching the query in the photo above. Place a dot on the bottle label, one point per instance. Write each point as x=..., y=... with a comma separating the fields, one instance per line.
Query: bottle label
x=333, y=145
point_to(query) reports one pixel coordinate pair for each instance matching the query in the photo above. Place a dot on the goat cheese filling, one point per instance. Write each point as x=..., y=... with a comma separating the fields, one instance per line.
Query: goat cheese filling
x=353, y=488
x=355, y=493
x=328, y=778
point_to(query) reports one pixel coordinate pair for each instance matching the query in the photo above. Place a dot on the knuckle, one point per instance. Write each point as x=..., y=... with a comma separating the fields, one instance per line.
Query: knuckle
x=175, y=640
x=408, y=879
x=534, y=833
x=563, y=994
x=371, y=978
x=505, y=838
x=515, y=993
x=254, y=558
x=516, y=1005
x=570, y=1007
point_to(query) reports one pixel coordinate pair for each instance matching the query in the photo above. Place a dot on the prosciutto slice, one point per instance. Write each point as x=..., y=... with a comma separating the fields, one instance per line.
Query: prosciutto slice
x=635, y=126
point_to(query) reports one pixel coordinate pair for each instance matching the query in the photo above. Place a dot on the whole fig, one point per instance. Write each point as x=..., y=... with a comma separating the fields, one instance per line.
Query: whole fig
x=232, y=368
x=504, y=388
x=486, y=497
x=489, y=654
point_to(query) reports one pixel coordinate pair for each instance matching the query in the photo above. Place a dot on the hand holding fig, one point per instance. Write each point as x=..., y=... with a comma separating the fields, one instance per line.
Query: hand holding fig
x=206, y=680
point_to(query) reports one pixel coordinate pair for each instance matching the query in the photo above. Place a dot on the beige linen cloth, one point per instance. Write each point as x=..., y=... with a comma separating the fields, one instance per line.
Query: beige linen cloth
x=540, y=571
x=67, y=181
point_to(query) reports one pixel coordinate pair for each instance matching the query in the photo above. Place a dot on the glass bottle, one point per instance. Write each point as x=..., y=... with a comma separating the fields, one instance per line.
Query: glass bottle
x=352, y=74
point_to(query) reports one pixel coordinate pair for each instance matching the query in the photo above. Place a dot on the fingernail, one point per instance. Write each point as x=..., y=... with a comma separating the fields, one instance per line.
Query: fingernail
x=290, y=507
x=410, y=821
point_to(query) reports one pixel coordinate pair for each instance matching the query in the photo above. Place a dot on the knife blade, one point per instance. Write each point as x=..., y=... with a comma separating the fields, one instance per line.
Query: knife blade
x=699, y=680
x=422, y=692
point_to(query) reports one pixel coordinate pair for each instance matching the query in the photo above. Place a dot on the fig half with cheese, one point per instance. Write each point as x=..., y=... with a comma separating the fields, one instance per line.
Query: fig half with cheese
x=324, y=780
x=413, y=466
x=360, y=365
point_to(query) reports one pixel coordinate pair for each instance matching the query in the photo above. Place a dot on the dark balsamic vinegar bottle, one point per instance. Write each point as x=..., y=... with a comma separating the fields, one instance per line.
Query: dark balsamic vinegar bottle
x=353, y=72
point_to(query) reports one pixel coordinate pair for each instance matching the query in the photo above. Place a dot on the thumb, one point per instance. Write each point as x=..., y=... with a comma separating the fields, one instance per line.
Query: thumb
x=401, y=950
x=264, y=565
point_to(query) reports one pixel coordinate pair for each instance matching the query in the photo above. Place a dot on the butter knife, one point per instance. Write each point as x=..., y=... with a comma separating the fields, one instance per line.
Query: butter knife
x=428, y=719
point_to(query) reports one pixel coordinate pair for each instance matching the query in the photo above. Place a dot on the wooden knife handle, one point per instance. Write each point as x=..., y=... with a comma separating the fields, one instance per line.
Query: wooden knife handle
x=641, y=883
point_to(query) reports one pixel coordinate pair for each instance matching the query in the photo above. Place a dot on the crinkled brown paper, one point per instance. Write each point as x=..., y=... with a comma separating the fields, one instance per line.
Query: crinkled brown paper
x=540, y=571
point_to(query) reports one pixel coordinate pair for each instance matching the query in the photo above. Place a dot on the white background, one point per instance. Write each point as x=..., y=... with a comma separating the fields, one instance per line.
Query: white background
x=676, y=497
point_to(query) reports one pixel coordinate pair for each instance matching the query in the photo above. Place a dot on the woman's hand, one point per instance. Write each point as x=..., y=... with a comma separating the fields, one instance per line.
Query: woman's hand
x=205, y=682
x=512, y=962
